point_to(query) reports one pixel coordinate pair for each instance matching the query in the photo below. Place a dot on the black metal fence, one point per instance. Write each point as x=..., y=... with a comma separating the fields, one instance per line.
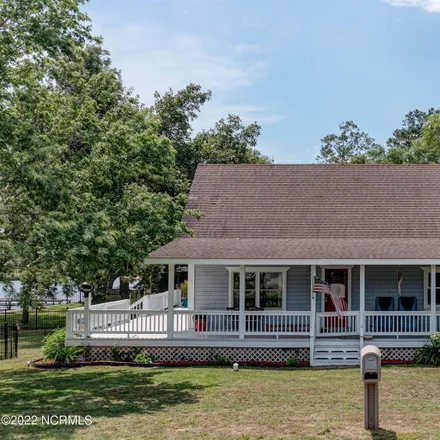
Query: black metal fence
x=8, y=341
x=35, y=319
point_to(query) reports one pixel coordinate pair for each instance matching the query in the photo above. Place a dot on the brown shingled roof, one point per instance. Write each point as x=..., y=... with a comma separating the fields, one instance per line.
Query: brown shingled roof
x=328, y=211
x=301, y=248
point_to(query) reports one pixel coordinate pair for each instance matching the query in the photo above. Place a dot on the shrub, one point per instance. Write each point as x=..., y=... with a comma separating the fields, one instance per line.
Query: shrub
x=134, y=351
x=429, y=354
x=221, y=360
x=87, y=349
x=184, y=289
x=116, y=352
x=55, y=349
x=292, y=362
x=142, y=358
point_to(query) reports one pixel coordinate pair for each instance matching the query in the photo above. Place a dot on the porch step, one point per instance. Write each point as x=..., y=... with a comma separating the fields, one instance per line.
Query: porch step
x=336, y=352
x=333, y=363
x=337, y=342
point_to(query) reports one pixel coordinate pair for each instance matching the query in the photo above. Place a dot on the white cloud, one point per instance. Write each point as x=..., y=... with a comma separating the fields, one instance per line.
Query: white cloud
x=153, y=58
x=427, y=5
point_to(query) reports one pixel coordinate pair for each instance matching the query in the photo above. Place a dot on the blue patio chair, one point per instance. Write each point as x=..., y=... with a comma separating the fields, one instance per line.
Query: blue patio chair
x=383, y=304
x=408, y=304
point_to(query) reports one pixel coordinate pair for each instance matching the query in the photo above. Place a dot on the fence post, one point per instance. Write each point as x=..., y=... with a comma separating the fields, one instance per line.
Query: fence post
x=6, y=340
x=16, y=339
x=36, y=319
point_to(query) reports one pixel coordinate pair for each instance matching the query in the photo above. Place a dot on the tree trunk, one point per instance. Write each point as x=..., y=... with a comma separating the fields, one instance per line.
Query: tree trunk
x=25, y=316
x=124, y=289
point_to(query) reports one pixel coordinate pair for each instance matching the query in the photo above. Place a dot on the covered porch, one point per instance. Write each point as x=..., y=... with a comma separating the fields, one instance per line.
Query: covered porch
x=238, y=302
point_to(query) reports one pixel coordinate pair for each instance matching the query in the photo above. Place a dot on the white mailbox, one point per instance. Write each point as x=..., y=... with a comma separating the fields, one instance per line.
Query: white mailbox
x=370, y=364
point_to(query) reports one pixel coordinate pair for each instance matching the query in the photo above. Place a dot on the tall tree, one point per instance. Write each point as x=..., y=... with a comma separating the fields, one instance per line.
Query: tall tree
x=230, y=141
x=83, y=167
x=32, y=33
x=426, y=149
x=350, y=146
x=90, y=180
x=411, y=129
x=177, y=111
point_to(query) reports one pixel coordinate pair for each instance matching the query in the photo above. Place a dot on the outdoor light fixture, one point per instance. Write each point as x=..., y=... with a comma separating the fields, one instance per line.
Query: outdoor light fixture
x=235, y=367
x=86, y=289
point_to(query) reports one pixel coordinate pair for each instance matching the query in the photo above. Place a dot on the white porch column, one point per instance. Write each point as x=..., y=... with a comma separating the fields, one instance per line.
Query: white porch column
x=433, y=299
x=170, y=315
x=87, y=306
x=242, y=304
x=191, y=286
x=312, y=314
x=362, y=303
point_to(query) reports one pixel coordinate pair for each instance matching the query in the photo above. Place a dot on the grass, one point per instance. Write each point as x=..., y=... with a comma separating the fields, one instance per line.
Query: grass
x=64, y=306
x=215, y=403
x=48, y=318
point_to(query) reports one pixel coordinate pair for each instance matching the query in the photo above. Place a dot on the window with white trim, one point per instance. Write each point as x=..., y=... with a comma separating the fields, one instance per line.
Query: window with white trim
x=250, y=289
x=264, y=287
x=271, y=290
x=427, y=287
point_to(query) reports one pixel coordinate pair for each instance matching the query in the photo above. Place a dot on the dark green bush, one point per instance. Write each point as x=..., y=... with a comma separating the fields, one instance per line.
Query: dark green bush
x=134, y=351
x=429, y=354
x=55, y=349
x=142, y=358
x=292, y=362
x=221, y=360
x=116, y=352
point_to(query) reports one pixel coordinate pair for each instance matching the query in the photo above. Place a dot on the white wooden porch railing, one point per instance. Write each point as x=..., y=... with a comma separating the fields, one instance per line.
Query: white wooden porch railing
x=397, y=323
x=75, y=322
x=206, y=322
x=193, y=323
x=157, y=301
x=331, y=324
x=128, y=322
x=186, y=322
x=278, y=323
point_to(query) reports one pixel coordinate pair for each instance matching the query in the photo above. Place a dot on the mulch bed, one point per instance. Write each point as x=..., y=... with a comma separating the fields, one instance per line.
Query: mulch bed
x=41, y=363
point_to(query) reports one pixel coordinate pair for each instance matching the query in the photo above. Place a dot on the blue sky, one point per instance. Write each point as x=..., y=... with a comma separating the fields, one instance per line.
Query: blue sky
x=298, y=67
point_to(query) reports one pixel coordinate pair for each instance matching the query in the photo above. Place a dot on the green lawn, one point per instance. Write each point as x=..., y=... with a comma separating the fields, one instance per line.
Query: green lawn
x=215, y=403
x=64, y=306
x=47, y=318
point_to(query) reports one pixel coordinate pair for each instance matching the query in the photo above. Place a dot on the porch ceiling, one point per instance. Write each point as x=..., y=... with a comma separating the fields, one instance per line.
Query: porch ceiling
x=301, y=249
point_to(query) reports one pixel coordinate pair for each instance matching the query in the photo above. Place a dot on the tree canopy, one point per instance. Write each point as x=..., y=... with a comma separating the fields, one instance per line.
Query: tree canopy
x=416, y=141
x=229, y=141
x=91, y=180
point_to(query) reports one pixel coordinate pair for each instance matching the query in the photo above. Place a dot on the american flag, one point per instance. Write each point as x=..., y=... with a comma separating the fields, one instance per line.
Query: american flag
x=399, y=282
x=321, y=286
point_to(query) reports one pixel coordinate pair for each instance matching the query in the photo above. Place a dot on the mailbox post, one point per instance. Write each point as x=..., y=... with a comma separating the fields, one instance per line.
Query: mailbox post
x=371, y=374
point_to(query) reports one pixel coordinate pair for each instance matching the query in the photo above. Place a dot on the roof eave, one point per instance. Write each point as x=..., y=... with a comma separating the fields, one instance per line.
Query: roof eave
x=294, y=262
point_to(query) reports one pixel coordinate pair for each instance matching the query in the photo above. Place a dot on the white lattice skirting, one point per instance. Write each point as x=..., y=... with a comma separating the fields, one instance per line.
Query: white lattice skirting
x=399, y=354
x=207, y=354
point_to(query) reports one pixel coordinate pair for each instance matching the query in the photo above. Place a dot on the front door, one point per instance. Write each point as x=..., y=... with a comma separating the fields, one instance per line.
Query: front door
x=338, y=279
